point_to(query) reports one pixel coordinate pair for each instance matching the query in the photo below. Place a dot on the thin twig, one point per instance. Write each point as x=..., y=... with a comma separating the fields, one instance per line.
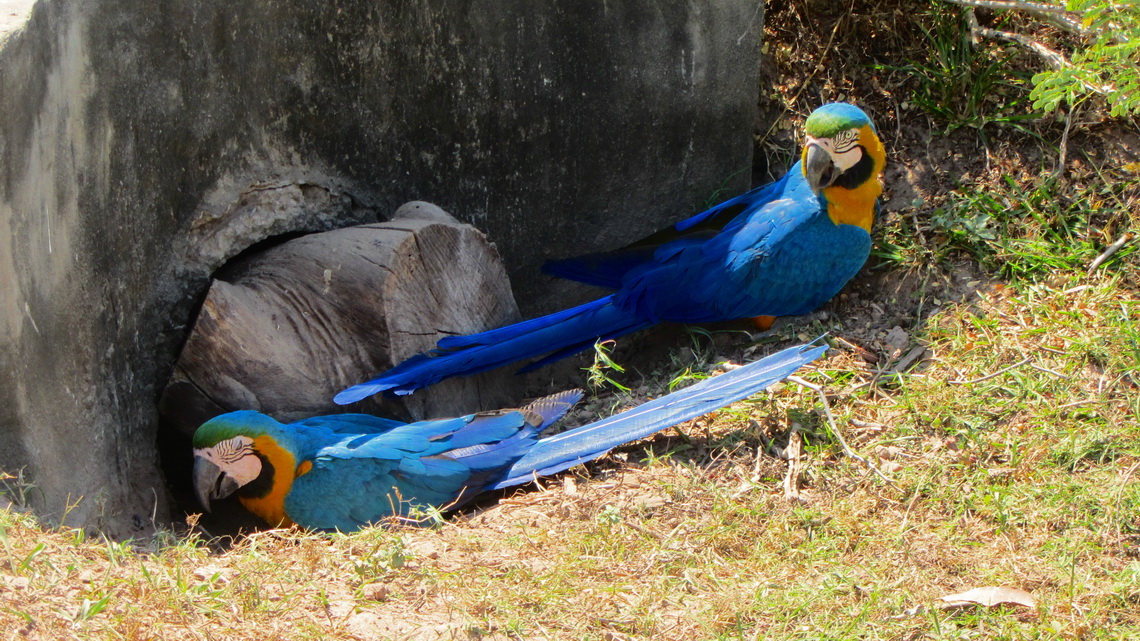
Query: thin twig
x=1071, y=290
x=1031, y=7
x=1112, y=249
x=767, y=442
x=1078, y=403
x=1049, y=371
x=906, y=517
x=1053, y=58
x=993, y=374
x=835, y=429
x=975, y=28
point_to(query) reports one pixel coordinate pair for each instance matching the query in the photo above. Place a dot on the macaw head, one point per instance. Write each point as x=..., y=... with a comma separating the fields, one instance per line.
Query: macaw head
x=240, y=451
x=842, y=160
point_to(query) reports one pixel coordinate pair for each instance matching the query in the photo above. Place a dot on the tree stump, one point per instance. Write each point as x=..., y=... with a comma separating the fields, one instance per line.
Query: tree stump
x=284, y=330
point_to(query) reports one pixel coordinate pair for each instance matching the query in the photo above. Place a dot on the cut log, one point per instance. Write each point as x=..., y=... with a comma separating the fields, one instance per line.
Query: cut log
x=284, y=330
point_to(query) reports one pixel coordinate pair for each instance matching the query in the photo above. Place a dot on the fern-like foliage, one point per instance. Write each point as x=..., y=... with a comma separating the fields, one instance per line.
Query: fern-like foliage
x=1108, y=64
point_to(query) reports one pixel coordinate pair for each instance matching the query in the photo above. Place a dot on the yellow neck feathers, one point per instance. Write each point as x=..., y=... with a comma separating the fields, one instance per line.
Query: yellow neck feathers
x=857, y=206
x=271, y=506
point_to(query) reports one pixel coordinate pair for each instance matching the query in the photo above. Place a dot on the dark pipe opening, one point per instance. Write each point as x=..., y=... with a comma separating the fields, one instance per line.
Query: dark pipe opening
x=182, y=407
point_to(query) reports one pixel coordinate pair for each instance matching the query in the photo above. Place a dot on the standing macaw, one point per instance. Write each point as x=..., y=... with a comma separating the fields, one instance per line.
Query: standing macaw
x=344, y=471
x=779, y=250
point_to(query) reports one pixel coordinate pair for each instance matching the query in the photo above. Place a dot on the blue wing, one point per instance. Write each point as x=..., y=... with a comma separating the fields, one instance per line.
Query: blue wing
x=783, y=259
x=360, y=478
x=609, y=268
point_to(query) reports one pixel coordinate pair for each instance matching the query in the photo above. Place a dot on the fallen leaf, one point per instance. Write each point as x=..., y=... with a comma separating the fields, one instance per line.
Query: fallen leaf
x=990, y=596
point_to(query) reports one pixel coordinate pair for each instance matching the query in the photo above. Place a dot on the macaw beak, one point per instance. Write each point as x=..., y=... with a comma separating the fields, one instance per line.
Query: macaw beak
x=818, y=168
x=211, y=483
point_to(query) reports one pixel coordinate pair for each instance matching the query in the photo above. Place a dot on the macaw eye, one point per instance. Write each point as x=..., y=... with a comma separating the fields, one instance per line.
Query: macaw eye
x=846, y=140
x=233, y=449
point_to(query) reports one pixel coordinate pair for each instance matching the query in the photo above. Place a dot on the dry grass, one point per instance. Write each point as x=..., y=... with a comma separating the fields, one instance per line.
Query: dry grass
x=1012, y=442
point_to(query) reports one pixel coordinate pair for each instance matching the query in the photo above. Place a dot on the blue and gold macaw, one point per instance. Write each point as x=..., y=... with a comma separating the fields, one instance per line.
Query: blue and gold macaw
x=779, y=250
x=341, y=472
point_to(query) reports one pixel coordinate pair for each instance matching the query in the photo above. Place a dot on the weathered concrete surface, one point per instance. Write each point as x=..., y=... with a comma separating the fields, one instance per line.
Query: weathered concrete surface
x=137, y=135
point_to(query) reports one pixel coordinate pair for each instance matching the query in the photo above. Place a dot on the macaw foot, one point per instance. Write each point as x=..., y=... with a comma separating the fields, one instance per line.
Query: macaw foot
x=763, y=323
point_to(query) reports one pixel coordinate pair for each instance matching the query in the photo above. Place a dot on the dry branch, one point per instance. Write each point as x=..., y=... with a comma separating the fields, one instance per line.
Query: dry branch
x=1067, y=20
x=792, y=478
x=1112, y=249
x=1054, y=59
x=1064, y=20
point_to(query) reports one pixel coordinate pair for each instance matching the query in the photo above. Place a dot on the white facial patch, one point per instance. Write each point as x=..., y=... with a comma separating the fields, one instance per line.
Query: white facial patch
x=235, y=457
x=843, y=148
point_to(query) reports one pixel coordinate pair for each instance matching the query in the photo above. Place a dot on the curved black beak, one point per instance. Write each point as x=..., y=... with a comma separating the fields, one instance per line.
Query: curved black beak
x=818, y=168
x=211, y=483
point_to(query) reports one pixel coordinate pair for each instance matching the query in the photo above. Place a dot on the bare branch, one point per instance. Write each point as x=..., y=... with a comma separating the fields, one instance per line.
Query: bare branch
x=1112, y=249
x=1066, y=20
x=792, y=478
x=1053, y=58
x=1031, y=7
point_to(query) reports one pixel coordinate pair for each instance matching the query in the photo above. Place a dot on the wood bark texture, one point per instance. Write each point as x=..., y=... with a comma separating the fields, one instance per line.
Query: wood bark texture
x=283, y=330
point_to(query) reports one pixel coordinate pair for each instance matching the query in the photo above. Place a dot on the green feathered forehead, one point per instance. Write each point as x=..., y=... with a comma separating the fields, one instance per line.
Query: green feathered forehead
x=224, y=427
x=830, y=119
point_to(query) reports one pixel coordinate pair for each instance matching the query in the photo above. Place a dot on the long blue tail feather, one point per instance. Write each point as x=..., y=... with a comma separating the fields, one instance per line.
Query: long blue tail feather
x=572, y=330
x=592, y=441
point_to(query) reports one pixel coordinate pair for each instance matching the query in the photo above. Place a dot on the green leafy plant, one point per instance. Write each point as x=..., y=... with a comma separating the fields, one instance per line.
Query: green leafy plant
x=598, y=374
x=1107, y=65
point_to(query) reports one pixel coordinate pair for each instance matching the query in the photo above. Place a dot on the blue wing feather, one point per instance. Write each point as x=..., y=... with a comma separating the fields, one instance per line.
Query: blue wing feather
x=360, y=478
x=608, y=269
x=591, y=441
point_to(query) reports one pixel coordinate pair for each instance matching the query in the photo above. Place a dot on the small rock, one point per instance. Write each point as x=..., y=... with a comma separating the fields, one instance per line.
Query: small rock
x=890, y=467
x=375, y=592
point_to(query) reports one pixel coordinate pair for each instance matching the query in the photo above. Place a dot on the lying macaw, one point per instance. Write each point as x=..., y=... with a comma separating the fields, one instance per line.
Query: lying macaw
x=344, y=471
x=779, y=250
